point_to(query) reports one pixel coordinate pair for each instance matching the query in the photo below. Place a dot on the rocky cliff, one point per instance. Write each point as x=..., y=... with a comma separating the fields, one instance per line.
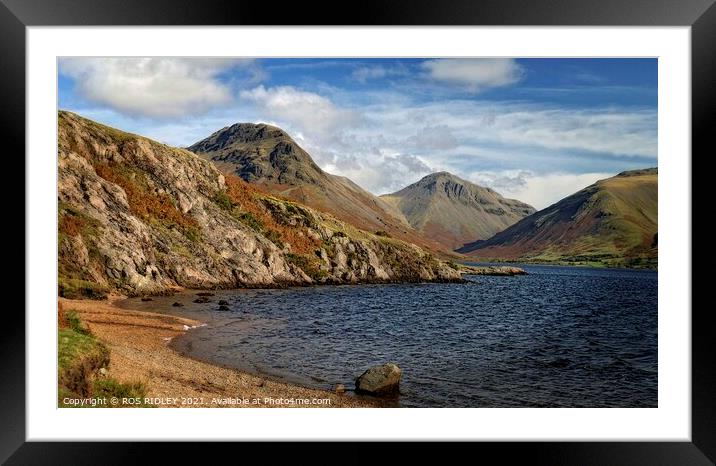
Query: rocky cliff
x=142, y=217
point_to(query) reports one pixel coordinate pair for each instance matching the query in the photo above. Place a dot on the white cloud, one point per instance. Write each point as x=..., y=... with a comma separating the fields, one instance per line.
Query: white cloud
x=152, y=87
x=479, y=124
x=380, y=173
x=311, y=112
x=366, y=73
x=387, y=145
x=611, y=131
x=438, y=137
x=538, y=190
x=474, y=74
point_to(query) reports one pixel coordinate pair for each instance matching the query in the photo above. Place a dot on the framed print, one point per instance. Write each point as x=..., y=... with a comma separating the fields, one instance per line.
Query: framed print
x=470, y=223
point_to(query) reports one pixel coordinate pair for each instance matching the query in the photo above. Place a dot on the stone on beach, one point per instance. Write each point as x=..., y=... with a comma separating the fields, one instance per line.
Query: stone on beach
x=380, y=380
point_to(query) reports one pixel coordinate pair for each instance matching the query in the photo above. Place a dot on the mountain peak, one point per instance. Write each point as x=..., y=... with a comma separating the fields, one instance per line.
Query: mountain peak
x=259, y=152
x=240, y=133
x=442, y=176
x=452, y=210
x=640, y=172
x=267, y=155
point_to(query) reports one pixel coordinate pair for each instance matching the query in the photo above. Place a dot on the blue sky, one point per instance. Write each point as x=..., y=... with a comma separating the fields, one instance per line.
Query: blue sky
x=533, y=129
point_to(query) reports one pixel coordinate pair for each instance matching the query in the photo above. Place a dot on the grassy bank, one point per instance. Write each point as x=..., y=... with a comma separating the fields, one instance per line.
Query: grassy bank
x=82, y=362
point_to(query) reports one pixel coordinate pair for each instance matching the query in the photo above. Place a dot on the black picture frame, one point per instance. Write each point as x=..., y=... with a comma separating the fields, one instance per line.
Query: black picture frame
x=17, y=15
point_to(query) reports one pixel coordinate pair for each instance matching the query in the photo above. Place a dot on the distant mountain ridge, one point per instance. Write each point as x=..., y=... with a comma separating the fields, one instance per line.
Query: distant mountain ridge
x=613, y=222
x=268, y=156
x=454, y=211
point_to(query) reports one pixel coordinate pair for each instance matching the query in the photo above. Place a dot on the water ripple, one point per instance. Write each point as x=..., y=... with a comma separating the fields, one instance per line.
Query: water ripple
x=558, y=337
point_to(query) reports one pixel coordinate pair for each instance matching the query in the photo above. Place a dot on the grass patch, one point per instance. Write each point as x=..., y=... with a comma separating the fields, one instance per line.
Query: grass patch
x=223, y=200
x=72, y=288
x=181, y=250
x=406, y=264
x=115, y=134
x=250, y=220
x=109, y=388
x=74, y=323
x=275, y=237
x=308, y=264
x=80, y=356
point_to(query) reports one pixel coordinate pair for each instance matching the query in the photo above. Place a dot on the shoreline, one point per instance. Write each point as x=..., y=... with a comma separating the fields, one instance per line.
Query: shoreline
x=138, y=342
x=557, y=263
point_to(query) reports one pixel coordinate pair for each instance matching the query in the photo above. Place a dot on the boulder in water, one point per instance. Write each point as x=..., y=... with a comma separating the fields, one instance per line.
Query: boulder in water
x=380, y=380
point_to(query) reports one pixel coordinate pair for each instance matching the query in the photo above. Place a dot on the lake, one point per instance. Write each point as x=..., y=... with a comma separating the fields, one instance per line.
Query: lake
x=557, y=337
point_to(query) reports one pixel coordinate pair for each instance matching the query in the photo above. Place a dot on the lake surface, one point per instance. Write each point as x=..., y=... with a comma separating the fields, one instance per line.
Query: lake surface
x=558, y=337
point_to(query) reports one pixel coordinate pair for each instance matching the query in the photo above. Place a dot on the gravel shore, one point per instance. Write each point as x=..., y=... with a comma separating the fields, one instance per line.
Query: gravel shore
x=139, y=351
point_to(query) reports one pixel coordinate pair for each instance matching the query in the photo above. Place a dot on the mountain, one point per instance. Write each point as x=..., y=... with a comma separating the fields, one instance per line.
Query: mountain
x=137, y=216
x=266, y=156
x=453, y=211
x=612, y=222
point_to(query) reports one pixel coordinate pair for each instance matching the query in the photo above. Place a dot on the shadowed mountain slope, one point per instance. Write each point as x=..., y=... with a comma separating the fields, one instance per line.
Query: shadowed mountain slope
x=612, y=222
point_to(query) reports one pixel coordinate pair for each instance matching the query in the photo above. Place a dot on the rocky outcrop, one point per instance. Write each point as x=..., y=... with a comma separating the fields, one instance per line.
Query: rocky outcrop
x=142, y=217
x=380, y=380
x=497, y=270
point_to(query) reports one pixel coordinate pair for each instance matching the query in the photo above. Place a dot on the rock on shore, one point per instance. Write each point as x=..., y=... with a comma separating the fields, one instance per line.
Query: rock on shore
x=380, y=380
